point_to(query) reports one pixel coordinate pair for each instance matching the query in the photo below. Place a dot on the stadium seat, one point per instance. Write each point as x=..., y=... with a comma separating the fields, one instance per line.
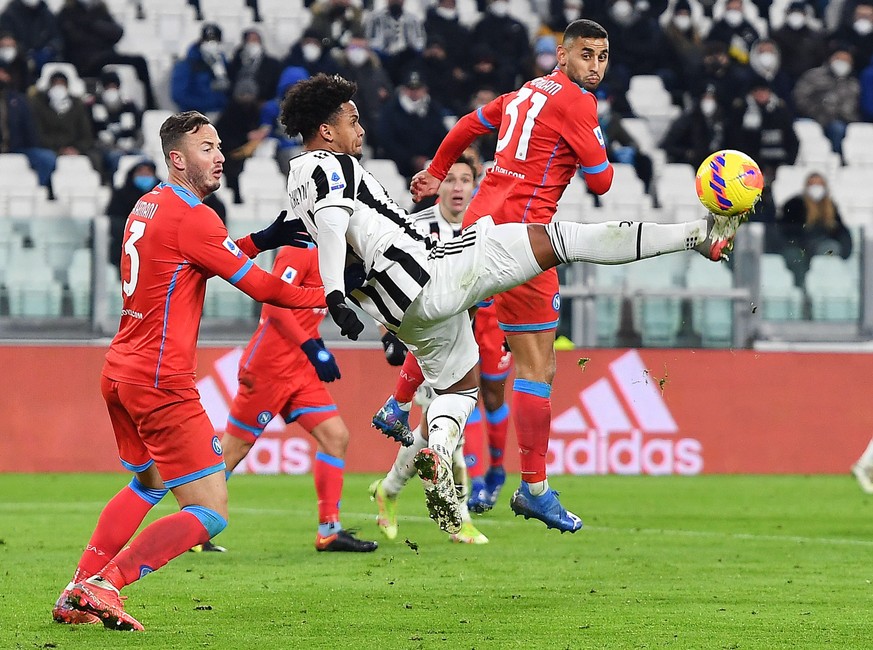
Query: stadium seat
x=74, y=82
x=780, y=298
x=790, y=181
x=20, y=193
x=386, y=173
x=57, y=239
x=650, y=100
x=77, y=187
x=858, y=145
x=225, y=301
x=631, y=203
x=113, y=294
x=833, y=289
x=656, y=318
x=80, y=282
x=576, y=202
x=711, y=318
x=151, y=133
x=263, y=190
x=815, y=149
x=852, y=191
x=33, y=291
x=676, y=193
x=608, y=307
x=131, y=87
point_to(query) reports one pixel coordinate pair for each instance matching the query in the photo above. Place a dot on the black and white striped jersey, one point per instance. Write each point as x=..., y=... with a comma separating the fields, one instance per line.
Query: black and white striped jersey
x=380, y=234
x=431, y=222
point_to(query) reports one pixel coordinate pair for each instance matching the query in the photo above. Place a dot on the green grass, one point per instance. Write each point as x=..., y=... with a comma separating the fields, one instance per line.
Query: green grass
x=706, y=562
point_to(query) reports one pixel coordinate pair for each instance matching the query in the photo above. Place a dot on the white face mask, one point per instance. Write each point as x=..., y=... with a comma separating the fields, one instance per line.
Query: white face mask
x=816, y=192
x=863, y=26
x=841, y=67
x=112, y=97
x=546, y=61
x=31, y=3
x=447, y=13
x=311, y=52
x=571, y=14
x=414, y=106
x=682, y=22
x=357, y=56
x=7, y=53
x=795, y=20
x=708, y=106
x=733, y=17
x=210, y=48
x=622, y=10
x=768, y=60
x=253, y=50
x=57, y=93
x=499, y=8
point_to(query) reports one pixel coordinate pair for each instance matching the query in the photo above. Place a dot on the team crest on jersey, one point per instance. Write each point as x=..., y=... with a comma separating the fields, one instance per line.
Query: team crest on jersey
x=556, y=302
x=599, y=135
x=216, y=445
x=336, y=182
x=230, y=245
x=289, y=274
x=264, y=418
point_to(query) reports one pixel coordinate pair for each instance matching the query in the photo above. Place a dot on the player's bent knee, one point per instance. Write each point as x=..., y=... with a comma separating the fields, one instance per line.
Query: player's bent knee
x=213, y=522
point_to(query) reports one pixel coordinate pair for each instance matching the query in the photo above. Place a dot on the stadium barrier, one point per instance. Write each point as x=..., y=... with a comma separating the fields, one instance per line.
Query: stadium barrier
x=615, y=411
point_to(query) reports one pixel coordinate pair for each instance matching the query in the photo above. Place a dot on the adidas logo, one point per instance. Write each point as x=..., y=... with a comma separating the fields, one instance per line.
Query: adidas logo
x=622, y=425
x=274, y=452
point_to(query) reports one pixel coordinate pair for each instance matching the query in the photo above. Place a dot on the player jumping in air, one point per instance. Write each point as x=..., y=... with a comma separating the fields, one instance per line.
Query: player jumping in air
x=420, y=288
x=172, y=244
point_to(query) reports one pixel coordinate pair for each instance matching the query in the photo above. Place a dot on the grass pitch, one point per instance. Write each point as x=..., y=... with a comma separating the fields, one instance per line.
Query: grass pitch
x=705, y=562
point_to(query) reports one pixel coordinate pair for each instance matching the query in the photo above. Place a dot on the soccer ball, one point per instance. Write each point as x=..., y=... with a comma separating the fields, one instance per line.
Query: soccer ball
x=729, y=183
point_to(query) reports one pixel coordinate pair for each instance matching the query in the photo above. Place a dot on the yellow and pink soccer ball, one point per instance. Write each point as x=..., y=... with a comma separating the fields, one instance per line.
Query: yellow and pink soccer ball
x=729, y=183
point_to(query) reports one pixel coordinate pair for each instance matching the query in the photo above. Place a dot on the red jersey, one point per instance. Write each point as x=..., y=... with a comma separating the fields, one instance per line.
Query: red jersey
x=274, y=349
x=172, y=245
x=547, y=129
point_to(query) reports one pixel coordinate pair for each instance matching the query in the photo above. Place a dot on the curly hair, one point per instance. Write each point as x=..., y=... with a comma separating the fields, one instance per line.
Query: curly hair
x=312, y=102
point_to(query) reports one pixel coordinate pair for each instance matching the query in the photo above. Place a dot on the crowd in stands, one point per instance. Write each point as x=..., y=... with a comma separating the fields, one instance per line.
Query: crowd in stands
x=739, y=73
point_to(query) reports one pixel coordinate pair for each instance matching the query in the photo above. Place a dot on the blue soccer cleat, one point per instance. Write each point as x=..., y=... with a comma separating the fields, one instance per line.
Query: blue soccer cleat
x=479, y=501
x=393, y=421
x=545, y=507
x=495, y=477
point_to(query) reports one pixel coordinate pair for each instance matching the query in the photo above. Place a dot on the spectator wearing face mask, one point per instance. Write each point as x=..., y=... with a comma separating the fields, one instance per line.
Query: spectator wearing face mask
x=310, y=54
x=697, y=132
x=442, y=22
x=506, y=38
x=61, y=119
x=683, y=47
x=37, y=30
x=269, y=124
x=865, y=80
x=358, y=63
x=117, y=125
x=252, y=63
x=735, y=30
x=830, y=95
x=810, y=225
x=765, y=60
x=90, y=34
x=15, y=63
x=801, y=42
x=437, y=69
x=412, y=127
x=544, y=56
x=240, y=118
x=200, y=81
x=334, y=22
x=857, y=34
x=397, y=36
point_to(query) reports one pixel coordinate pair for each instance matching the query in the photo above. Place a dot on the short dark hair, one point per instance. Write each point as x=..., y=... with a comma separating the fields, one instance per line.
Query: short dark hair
x=176, y=126
x=315, y=101
x=584, y=28
x=464, y=159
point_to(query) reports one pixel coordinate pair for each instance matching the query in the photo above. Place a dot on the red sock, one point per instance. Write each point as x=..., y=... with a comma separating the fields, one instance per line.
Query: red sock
x=497, y=424
x=474, y=445
x=157, y=544
x=408, y=381
x=328, y=475
x=117, y=524
x=532, y=412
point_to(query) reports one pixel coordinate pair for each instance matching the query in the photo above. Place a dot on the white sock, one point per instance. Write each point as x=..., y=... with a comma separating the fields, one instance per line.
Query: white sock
x=402, y=470
x=867, y=457
x=538, y=488
x=446, y=417
x=618, y=242
x=459, y=471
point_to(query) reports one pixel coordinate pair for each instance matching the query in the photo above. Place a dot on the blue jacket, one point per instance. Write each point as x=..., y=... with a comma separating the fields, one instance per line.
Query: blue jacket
x=866, y=80
x=192, y=84
x=21, y=127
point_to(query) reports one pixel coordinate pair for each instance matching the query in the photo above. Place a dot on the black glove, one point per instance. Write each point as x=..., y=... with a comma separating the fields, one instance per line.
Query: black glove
x=282, y=233
x=348, y=322
x=321, y=359
x=354, y=277
x=395, y=351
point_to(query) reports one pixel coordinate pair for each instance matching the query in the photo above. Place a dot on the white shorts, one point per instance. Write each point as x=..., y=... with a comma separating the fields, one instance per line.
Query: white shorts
x=483, y=260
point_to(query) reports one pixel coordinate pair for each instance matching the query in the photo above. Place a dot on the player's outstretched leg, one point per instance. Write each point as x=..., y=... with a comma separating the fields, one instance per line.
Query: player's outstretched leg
x=386, y=503
x=98, y=597
x=393, y=421
x=439, y=490
x=544, y=507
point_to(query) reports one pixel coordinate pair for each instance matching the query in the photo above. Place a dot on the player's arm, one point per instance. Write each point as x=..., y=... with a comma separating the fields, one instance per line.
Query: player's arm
x=282, y=232
x=582, y=132
x=466, y=130
x=204, y=242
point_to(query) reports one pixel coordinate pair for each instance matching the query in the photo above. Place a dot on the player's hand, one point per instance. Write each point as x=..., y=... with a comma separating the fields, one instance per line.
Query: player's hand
x=423, y=184
x=282, y=233
x=348, y=322
x=395, y=351
x=321, y=359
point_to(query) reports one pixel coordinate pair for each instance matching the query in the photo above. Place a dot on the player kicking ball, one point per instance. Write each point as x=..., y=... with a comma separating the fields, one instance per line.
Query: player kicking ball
x=421, y=289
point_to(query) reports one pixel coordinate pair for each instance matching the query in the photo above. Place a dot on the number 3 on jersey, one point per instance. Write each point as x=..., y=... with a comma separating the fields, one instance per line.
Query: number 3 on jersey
x=137, y=229
x=533, y=104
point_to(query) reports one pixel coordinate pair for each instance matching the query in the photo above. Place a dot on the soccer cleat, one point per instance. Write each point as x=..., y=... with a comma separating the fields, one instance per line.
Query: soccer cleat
x=207, y=547
x=864, y=475
x=344, y=541
x=386, y=520
x=439, y=490
x=479, y=501
x=64, y=613
x=721, y=231
x=98, y=597
x=469, y=534
x=495, y=477
x=393, y=421
x=545, y=507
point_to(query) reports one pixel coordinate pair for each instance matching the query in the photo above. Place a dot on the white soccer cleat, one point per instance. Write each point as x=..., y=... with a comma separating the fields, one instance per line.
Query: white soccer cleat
x=721, y=230
x=864, y=474
x=439, y=490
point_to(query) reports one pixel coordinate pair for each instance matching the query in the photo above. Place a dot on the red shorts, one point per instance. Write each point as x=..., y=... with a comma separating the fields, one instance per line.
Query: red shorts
x=494, y=359
x=534, y=306
x=167, y=426
x=303, y=398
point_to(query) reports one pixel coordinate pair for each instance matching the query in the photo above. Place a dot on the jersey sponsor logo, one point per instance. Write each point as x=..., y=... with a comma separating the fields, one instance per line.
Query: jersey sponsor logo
x=289, y=274
x=500, y=170
x=230, y=245
x=622, y=425
x=131, y=313
x=216, y=445
x=599, y=135
x=336, y=182
x=264, y=418
x=556, y=302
